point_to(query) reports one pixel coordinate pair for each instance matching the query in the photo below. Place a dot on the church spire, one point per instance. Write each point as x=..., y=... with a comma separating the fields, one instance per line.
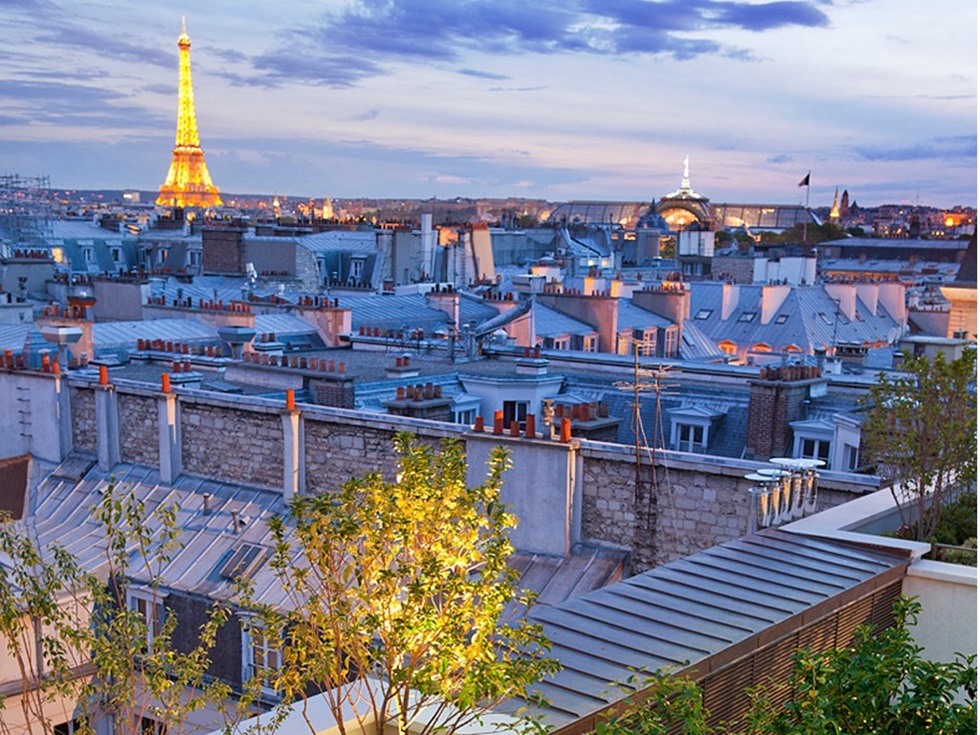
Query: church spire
x=188, y=182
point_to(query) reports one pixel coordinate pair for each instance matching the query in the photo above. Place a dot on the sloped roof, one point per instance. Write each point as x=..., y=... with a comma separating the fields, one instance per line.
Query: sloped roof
x=549, y=322
x=631, y=316
x=110, y=335
x=808, y=317
x=691, y=610
x=358, y=241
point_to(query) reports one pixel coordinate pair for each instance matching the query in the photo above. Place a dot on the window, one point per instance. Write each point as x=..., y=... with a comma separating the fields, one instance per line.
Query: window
x=67, y=728
x=703, y=313
x=670, y=342
x=782, y=318
x=746, y=316
x=690, y=438
x=761, y=347
x=115, y=255
x=590, y=344
x=851, y=457
x=515, y=411
x=561, y=343
x=261, y=656
x=826, y=319
x=356, y=268
x=729, y=348
x=466, y=417
x=149, y=726
x=148, y=606
x=815, y=449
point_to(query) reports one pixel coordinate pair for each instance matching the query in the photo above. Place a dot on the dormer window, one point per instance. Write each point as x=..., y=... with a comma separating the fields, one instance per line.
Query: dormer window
x=690, y=428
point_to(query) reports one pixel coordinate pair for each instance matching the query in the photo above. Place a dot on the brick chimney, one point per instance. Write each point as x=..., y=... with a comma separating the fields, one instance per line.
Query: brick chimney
x=776, y=398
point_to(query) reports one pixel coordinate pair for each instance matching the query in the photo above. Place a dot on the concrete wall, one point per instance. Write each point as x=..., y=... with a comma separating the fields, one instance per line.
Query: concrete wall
x=30, y=406
x=948, y=593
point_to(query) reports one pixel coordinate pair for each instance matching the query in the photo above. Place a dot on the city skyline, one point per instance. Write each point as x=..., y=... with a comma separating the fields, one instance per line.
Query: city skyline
x=580, y=100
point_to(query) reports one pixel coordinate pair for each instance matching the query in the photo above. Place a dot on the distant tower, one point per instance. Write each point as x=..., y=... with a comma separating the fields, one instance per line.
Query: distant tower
x=188, y=182
x=835, y=207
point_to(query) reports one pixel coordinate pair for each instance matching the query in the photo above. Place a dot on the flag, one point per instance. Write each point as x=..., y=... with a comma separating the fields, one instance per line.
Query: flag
x=805, y=181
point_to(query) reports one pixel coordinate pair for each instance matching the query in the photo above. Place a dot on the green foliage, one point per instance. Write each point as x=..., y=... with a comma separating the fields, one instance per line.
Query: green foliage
x=958, y=521
x=100, y=658
x=658, y=703
x=921, y=434
x=396, y=595
x=878, y=684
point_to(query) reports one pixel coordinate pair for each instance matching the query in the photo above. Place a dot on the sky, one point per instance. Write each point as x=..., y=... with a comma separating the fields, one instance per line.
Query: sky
x=547, y=99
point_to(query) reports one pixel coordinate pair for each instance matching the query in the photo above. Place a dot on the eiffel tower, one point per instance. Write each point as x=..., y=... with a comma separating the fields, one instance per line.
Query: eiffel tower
x=188, y=182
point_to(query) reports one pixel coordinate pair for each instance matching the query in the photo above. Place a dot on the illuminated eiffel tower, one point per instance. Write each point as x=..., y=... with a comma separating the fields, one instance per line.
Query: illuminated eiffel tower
x=188, y=182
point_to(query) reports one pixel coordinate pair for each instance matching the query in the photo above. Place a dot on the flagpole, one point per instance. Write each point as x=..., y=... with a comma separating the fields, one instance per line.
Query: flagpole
x=806, y=208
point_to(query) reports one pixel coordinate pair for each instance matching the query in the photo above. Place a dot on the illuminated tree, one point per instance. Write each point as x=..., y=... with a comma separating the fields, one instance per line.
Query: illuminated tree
x=84, y=650
x=398, y=598
x=921, y=435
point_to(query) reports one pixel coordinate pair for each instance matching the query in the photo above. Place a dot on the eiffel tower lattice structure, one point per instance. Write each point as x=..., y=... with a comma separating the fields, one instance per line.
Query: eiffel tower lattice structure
x=188, y=182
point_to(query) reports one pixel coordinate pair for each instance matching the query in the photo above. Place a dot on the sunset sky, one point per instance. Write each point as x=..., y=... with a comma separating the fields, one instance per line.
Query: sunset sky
x=577, y=99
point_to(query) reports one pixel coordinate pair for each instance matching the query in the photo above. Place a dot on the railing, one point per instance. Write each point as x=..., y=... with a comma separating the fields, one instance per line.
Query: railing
x=966, y=555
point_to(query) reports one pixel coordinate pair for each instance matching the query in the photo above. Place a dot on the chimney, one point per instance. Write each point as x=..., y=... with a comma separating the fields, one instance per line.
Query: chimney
x=777, y=398
x=671, y=301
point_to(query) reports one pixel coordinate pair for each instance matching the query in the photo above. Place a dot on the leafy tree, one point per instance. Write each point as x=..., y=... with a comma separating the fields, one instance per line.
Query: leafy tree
x=83, y=652
x=398, y=594
x=921, y=434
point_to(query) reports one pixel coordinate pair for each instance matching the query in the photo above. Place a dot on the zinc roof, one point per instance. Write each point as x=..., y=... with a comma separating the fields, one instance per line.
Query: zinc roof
x=690, y=610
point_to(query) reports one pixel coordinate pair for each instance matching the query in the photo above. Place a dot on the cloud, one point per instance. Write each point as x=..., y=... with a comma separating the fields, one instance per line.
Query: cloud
x=483, y=74
x=963, y=146
x=109, y=46
x=73, y=105
x=367, y=34
x=781, y=158
x=365, y=116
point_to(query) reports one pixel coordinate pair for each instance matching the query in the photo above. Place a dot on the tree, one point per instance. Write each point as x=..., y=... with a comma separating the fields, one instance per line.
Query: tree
x=878, y=684
x=921, y=435
x=397, y=594
x=84, y=652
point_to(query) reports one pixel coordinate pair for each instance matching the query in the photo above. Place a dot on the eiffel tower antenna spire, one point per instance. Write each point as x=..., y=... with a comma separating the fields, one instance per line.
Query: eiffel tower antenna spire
x=188, y=182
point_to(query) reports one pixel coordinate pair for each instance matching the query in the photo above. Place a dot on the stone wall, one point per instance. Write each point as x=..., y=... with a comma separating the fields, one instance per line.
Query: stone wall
x=139, y=433
x=83, y=419
x=692, y=505
x=238, y=444
x=335, y=452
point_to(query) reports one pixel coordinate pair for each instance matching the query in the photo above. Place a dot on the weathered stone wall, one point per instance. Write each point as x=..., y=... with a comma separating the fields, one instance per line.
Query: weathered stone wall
x=695, y=501
x=341, y=445
x=83, y=419
x=337, y=451
x=139, y=433
x=691, y=506
x=235, y=443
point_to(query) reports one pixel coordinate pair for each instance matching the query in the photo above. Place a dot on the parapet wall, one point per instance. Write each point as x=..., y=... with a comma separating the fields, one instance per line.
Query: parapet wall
x=565, y=492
